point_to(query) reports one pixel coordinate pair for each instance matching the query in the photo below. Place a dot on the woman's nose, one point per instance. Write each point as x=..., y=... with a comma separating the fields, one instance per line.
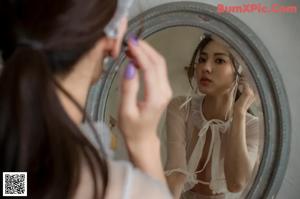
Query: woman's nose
x=206, y=67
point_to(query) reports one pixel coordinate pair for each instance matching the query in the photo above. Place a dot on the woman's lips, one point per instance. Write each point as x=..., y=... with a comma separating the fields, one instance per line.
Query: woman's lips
x=205, y=81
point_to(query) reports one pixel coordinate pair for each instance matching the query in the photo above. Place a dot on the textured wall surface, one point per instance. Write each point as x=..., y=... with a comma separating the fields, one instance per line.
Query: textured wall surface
x=280, y=34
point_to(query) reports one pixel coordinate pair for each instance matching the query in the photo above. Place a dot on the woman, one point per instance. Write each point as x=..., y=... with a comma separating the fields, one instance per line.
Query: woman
x=52, y=52
x=212, y=141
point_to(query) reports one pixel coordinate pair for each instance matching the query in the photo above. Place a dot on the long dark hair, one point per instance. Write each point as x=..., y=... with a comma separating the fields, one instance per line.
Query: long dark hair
x=40, y=39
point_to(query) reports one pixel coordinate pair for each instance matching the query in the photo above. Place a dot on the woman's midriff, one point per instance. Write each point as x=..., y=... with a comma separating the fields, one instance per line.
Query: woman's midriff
x=205, y=175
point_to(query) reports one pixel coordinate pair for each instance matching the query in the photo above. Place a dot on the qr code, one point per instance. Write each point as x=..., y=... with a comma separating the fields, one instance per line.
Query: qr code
x=14, y=183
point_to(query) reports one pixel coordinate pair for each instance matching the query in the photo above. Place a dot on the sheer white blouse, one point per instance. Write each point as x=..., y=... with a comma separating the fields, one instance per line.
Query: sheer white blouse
x=184, y=148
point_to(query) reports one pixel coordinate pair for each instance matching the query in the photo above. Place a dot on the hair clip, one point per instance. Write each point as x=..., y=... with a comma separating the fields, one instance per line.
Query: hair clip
x=202, y=37
x=240, y=69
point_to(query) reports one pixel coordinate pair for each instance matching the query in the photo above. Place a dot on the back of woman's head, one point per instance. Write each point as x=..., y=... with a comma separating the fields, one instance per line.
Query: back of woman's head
x=63, y=29
x=38, y=40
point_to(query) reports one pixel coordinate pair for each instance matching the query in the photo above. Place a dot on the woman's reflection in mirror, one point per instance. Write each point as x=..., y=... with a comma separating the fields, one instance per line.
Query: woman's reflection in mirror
x=212, y=137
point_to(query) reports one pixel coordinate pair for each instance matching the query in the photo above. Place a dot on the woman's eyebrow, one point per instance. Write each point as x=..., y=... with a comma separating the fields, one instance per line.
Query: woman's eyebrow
x=215, y=54
x=224, y=54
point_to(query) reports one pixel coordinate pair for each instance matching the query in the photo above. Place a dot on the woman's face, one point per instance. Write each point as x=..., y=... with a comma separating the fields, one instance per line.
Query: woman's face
x=214, y=70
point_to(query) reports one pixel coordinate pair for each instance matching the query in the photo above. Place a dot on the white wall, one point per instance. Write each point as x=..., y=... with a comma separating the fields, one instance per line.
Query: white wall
x=280, y=34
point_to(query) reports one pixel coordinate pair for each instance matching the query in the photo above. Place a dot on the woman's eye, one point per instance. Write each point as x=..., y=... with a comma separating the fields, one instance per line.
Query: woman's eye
x=220, y=61
x=201, y=60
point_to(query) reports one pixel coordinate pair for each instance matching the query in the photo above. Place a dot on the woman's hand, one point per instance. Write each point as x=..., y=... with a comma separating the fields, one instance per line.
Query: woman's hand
x=246, y=99
x=139, y=119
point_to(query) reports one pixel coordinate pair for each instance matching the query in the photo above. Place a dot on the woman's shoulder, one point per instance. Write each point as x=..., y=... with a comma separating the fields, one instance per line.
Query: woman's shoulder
x=185, y=101
x=124, y=181
x=177, y=101
x=177, y=104
x=127, y=181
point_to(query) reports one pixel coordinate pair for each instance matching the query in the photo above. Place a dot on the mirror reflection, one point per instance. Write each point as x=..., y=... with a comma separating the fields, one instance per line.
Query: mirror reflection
x=212, y=130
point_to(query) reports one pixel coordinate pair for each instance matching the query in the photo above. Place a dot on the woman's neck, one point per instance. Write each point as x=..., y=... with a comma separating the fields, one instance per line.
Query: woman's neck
x=216, y=107
x=77, y=84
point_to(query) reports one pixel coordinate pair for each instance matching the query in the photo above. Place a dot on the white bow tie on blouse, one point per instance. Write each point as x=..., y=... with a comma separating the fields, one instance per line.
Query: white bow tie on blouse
x=217, y=127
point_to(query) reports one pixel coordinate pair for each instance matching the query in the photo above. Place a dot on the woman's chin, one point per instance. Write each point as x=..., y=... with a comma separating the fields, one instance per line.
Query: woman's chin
x=204, y=90
x=208, y=91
